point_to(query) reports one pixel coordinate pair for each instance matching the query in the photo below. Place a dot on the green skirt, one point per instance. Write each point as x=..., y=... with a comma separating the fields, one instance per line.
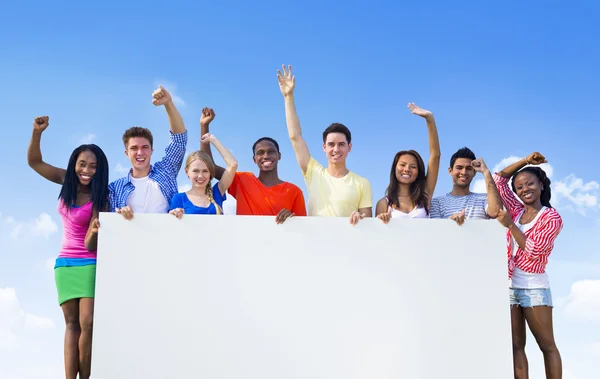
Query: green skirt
x=75, y=282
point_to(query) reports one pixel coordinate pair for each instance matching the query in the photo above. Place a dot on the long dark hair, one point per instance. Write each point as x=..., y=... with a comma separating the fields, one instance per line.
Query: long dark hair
x=98, y=185
x=543, y=178
x=417, y=188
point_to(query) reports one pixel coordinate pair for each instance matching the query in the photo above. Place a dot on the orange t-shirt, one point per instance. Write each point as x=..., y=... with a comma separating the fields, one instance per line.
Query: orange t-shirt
x=253, y=198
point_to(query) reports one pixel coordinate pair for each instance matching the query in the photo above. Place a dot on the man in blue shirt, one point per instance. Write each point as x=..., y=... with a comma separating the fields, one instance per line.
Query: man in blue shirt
x=149, y=188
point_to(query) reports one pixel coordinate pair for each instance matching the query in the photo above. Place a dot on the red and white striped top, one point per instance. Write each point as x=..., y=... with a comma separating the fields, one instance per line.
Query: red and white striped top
x=540, y=238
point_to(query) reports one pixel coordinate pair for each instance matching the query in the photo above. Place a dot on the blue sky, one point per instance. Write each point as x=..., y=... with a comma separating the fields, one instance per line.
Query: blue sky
x=502, y=79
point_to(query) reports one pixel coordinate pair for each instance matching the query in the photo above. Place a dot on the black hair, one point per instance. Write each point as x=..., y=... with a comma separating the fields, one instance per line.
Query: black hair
x=417, y=188
x=463, y=152
x=543, y=178
x=336, y=127
x=265, y=139
x=98, y=184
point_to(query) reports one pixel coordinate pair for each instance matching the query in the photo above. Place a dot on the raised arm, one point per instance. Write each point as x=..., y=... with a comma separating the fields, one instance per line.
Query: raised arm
x=162, y=97
x=34, y=153
x=433, y=166
x=493, y=196
x=208, y=114
x=230, y=161
x=510, y=200
x=287, y=83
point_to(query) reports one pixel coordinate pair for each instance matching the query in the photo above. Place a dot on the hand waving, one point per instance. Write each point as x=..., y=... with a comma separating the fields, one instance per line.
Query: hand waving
x=41, y=123
x=415, y=109
x=536, y=159
x=161, y=96
x=287, y=81
x=208, y=114
x=479, y=165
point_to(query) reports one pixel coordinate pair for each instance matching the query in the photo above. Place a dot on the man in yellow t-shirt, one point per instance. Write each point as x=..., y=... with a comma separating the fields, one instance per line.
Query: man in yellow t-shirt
x=334, y=191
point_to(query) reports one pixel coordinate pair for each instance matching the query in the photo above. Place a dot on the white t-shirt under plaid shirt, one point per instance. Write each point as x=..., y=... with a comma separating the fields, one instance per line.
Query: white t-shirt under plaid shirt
x=474, y=204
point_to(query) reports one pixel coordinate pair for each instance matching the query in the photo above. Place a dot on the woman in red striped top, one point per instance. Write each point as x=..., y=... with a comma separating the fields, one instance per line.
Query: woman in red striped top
x=533, y=226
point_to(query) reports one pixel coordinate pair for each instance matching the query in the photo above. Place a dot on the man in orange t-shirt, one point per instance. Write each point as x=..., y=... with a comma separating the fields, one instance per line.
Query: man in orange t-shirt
x=266, y=195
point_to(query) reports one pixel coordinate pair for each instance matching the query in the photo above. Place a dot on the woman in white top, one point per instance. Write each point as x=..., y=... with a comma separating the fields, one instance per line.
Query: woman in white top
x=410, y=190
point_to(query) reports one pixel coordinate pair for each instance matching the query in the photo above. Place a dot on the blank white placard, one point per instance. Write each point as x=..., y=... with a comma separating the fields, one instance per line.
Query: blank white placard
x=315, y=298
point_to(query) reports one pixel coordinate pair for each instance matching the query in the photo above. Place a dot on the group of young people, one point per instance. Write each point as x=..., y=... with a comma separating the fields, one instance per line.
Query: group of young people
x=518, y=197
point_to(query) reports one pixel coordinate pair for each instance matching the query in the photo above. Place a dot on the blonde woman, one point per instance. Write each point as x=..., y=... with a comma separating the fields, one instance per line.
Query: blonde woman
x=203, y=197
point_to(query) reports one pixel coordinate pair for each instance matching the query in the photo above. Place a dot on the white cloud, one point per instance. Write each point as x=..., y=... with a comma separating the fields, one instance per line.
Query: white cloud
x=593, y=348
x=120, y=169
x=582, y=196
x=87, y=139
x=42, y=226
x=14, y=320
x=584, y=300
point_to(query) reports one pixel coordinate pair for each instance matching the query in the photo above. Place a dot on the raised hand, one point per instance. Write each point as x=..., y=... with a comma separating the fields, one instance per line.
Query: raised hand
x=208, y=114
x=536, y=159
x=126, y=211
x=161, y=96
x=385, y=217
x=415, y=109
x=207, y=138
x=177, y=212
x=479, y=165
x=459, y=217
x=287, y=82
x=283, y=215
x=41, y=123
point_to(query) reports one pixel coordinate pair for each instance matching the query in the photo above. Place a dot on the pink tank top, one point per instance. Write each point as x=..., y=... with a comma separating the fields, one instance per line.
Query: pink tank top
x=76, y=222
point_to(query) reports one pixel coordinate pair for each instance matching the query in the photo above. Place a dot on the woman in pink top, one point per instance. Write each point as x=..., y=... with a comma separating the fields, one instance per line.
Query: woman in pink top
x=83, y=194
x=533, y=226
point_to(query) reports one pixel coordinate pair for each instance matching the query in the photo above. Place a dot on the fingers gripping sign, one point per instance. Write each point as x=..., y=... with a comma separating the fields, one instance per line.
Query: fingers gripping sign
x=283, y=215
x=95, y=226
x=459, y=217
x=287, y=81
x=385, y=217
x=126, y=211
x=504, y=218
x=41, y=123
x=161, y=96
x=356, y=216
x=177, y=212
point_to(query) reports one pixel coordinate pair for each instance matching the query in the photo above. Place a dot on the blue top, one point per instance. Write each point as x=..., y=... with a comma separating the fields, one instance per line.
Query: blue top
x=181, y=200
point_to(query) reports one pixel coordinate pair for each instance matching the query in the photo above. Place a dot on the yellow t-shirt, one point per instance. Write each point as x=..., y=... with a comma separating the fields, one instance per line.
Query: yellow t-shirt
x=335, y=197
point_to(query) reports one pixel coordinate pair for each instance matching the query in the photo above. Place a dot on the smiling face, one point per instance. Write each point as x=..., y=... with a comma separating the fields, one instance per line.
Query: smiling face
x=462, y=172
x=527, y=187
x=336, y=147
x=85, y=167
x=139, y=151
x=266, y=156
x=407, y=169
x=199, y=174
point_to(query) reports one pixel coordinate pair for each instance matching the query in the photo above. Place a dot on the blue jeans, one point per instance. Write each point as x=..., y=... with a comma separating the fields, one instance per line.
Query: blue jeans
x=530, y=297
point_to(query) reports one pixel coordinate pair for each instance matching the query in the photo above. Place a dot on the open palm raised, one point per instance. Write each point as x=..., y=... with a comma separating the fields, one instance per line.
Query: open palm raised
x=286, y=80
x=415, y=109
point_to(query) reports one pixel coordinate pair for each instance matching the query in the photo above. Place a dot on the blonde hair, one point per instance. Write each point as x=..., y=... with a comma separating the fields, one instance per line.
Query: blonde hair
x=204, y=157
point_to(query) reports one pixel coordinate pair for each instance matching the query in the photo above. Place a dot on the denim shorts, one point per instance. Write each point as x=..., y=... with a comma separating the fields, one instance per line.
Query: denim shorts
x=530, y=297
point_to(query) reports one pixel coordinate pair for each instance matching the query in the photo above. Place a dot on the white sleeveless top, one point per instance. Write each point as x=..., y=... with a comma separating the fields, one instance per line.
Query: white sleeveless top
x=417, y=212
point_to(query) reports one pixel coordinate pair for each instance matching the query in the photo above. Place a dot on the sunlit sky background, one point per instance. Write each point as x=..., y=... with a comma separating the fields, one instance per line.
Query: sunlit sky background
x=503, y=78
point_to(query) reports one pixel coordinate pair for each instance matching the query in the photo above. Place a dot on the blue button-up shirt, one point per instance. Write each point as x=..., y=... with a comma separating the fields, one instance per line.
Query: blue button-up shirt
x=164, y=173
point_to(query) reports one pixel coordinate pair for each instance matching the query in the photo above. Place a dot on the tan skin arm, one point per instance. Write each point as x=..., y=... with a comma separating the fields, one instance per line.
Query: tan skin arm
x=34, y=153
x=208, y=114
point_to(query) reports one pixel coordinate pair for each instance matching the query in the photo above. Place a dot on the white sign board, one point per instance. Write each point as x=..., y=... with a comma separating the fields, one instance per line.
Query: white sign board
x=244, y=298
